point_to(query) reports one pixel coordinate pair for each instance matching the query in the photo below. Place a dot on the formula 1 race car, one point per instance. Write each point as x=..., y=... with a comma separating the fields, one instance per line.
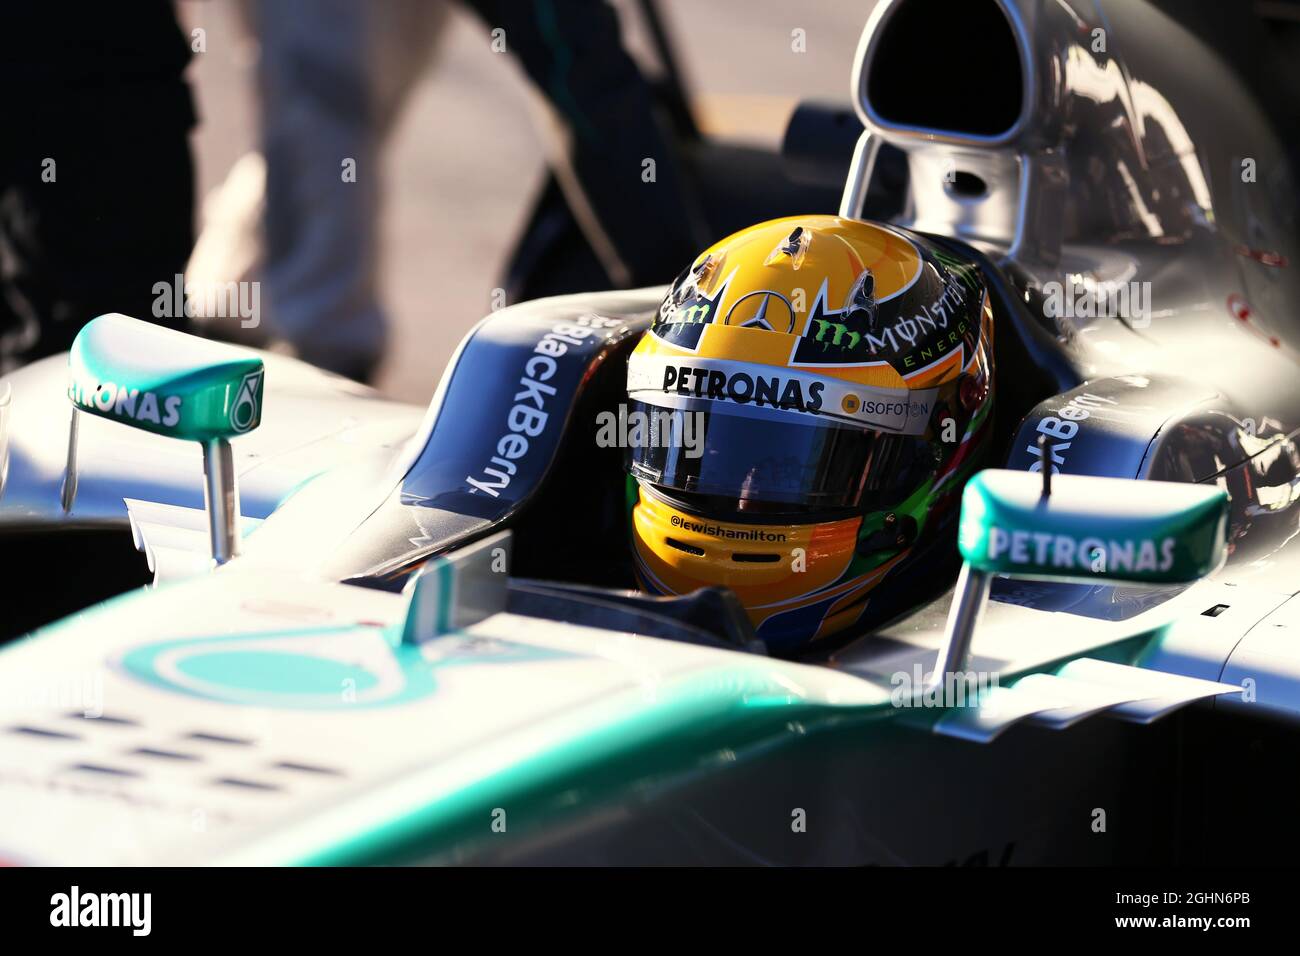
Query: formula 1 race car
x=347, y=630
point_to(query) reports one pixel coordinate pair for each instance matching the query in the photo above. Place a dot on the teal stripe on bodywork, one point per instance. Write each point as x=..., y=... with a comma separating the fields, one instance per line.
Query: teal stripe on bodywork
x=630, y=752
x=712, y=720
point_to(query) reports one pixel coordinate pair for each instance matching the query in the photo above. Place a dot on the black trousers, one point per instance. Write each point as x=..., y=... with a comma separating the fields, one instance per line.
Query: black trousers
x=573, y=53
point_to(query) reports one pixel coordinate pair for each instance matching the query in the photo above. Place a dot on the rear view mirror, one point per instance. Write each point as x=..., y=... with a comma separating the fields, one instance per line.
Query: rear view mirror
x=1078, y=528
x=1089, y=528
x=164, y=381
x=171, y=384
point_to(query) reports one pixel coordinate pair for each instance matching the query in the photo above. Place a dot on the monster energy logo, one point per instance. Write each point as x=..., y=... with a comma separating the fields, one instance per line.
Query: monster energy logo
x=937, y=327
x=693, y=313
x=838, y=333
x=966, y=273
x=698, y=312
x=840, y=336
x=686, y=304
x=831, y=329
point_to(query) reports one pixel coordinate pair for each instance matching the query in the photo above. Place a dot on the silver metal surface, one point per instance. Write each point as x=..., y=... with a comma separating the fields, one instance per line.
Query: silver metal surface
x=68, y=492
x=222, y=493
x=1139, y=157
x=968, y=603
x=860, y=170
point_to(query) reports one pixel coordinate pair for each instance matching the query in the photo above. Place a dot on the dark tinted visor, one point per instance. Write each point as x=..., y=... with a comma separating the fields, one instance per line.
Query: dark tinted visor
x=777, y=462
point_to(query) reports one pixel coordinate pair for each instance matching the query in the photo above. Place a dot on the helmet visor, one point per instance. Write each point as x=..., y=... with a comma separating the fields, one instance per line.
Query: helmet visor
x=775, y=462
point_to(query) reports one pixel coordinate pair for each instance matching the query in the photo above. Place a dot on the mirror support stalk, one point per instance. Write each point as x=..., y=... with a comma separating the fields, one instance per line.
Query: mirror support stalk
x=963, y=617
x=222, y=493
x=861, y=167
x=68, y=494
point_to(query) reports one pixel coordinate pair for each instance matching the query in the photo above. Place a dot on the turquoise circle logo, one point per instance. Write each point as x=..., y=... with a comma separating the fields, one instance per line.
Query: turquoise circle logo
x=324, y=669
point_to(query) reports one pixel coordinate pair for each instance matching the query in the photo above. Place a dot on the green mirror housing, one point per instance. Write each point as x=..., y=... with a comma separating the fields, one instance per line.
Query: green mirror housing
x=1090, y=528
x=164, y=381
x=1076, y=528
x=172, y=384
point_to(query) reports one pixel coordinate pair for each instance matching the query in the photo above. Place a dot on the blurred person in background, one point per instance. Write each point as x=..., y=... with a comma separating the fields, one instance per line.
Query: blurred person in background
x=332, y=78
x=96, y=177
x=303, y=215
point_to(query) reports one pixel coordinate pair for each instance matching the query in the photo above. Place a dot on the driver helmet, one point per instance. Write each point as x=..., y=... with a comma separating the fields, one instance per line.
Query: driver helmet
x=810, y=397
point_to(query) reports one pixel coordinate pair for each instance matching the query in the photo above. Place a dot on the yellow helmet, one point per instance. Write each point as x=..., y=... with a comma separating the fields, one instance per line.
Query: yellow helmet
x=836, y=376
